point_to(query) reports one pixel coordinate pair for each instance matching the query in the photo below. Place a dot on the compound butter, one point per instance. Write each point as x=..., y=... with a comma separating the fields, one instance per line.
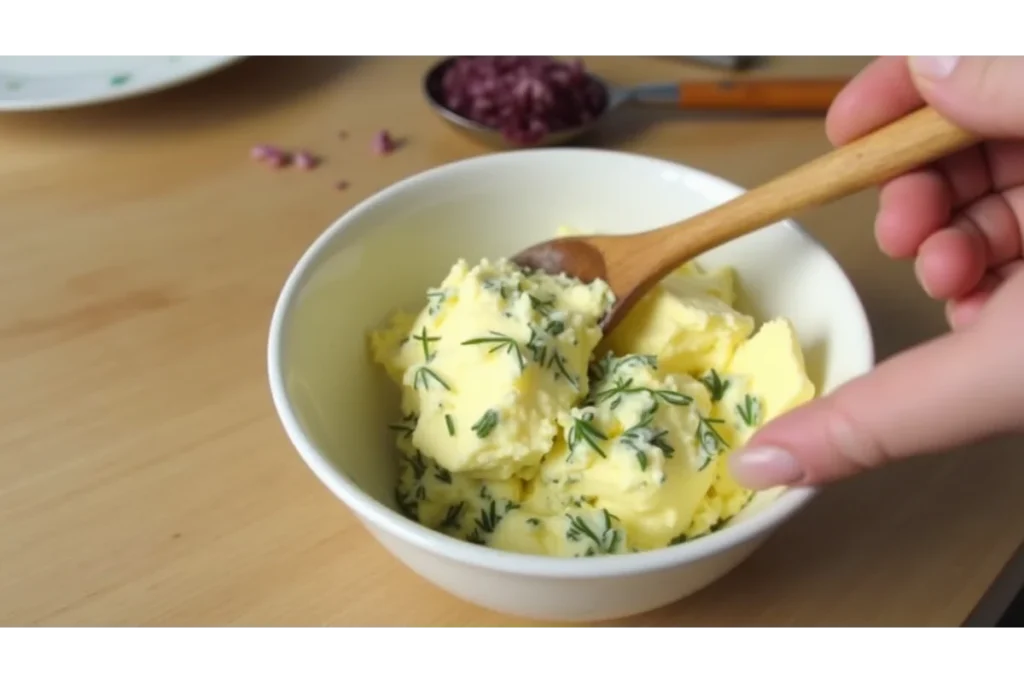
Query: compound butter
x=513, y=435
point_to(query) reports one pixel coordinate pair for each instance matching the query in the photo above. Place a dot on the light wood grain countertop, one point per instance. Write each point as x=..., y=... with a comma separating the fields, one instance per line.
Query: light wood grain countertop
x=144, y=478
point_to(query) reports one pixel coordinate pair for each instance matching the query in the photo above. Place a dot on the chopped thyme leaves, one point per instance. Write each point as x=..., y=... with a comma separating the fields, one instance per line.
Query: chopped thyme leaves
x=681, y=538
x=443, y=475
x=583, y=430
x=423, y=377
x=425, y=341
x=750, y=411
x=555, y=327
x=716, y=385
x=449, y=422
x=486, y=424
x=501, y=342
x=533, y=521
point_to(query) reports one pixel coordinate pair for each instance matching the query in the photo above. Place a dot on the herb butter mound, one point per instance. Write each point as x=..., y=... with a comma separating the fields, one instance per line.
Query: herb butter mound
x=513, y=435
x=490, y=362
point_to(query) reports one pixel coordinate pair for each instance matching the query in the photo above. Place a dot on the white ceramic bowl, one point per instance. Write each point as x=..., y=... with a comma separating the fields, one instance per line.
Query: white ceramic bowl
x=386, y=251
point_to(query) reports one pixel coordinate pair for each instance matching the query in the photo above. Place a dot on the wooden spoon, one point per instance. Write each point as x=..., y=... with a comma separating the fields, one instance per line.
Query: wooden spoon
x=632, y=264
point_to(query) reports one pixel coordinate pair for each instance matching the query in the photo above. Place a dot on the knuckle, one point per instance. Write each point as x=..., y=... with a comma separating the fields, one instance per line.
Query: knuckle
x=853, y=443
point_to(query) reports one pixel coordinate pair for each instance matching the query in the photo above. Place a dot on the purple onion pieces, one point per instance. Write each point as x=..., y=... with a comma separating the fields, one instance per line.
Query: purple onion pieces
x=523, y=97
x=383, y=143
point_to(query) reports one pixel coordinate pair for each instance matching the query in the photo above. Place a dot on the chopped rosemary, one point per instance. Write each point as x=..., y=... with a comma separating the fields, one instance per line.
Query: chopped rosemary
x=559, y=360
x=486, y=424
x=623, y=387
x=583, y=430
x=537, y=346
x=424, y=375
x=435, y=299
x=408, y=508
x=449, y=422
x=555, y=327
x=750, y=411
x=533, y=521
x=541, y=306
x=500, y=342
x=425, y=341
x=716, y=386
x=418, y=464
x=403, y=427
x=709, y=439
x=605, y=542
x=681, y=538
x=453, y=516
x=489, y=518
x=498, y=287
x=443, y=475
x=642, y=434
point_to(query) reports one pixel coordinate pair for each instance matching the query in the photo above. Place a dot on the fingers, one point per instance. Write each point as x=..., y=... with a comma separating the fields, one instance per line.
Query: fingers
x=882, y=92
x=964, y=312
x=903, y=408
x=982, y=94
x=911, y=208
x=950, y=263
x=985, y=235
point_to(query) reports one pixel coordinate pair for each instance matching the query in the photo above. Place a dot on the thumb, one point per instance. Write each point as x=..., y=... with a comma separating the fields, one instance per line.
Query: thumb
x=938, y=395
x=983, y=94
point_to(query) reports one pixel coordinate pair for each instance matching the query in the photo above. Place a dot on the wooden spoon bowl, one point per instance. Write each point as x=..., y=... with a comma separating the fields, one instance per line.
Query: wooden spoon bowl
x=632, y=264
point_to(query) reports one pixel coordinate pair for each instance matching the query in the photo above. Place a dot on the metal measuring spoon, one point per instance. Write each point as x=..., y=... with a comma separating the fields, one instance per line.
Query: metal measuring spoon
x=777, y=95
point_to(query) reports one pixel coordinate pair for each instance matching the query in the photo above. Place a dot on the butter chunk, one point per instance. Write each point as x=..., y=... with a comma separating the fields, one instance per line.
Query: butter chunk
x=491, y=361
x=771, y=364
x=580, y=531
x=685, y=324
x=642, y=447
x=452, y=503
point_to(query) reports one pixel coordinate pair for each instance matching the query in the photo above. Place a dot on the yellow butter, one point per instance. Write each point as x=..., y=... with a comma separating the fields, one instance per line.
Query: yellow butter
x=489, y=363
x=514, y=436
x=687, y=321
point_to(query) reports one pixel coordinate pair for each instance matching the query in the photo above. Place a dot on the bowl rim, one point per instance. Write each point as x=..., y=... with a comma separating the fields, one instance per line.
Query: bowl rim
x=371, y=512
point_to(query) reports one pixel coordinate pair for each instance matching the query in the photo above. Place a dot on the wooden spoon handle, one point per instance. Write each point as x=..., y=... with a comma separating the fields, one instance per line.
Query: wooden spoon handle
x=915, y=140
x=764, y=95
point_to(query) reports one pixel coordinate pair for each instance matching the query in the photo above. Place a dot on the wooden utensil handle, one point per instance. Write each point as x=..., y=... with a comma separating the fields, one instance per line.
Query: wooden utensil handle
x=915, y=140
x=764, y=95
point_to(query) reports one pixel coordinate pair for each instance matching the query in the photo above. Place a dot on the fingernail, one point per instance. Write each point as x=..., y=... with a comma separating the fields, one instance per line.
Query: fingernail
x=761, y=468
x=921, y=279
x=933, y=68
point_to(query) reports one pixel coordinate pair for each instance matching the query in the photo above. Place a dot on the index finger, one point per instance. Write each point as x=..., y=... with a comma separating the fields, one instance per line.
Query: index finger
x=881, y=93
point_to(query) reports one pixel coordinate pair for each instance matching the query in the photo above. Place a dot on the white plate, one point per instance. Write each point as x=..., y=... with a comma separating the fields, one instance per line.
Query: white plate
x=36, y=83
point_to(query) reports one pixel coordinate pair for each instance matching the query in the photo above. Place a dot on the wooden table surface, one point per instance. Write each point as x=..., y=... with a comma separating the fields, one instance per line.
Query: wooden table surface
x=144, y=477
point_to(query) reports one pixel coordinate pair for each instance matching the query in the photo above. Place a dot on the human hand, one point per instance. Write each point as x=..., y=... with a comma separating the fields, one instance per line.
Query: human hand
x=962, y=221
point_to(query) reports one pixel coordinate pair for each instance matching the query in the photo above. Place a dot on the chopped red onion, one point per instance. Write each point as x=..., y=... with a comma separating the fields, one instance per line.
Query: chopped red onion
x=306, y=161
x=383, y=143
x=523, y=97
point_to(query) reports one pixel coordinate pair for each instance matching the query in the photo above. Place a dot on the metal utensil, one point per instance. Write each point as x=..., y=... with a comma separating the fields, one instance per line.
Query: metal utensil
x=779, y=95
